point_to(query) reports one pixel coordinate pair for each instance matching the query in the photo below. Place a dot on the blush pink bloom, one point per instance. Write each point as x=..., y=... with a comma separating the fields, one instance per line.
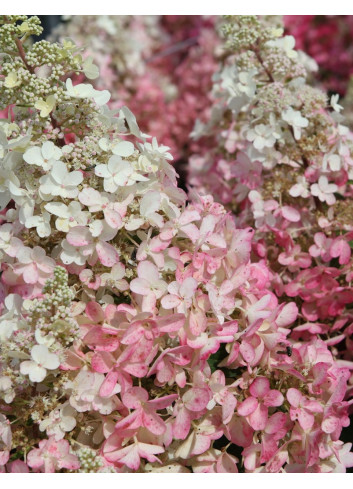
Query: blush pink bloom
x=52, y=455
x=303, y=409
x=255, y=407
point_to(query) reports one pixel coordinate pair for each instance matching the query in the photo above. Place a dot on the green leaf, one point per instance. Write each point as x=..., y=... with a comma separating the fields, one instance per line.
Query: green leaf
x=217, y=357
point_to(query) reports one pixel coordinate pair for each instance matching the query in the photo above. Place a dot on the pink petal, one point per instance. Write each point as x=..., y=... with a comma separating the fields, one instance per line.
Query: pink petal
x=95, y=312
x=196, y=399
x=227, y=464
x=294, y=397
x=128, y=456
x=240, y=432
x=287, y=315
x=153, y=422
x=171, y=323
x=290, y=214
x=258, y=418
x=182, y=423
x=340, y=248
x=147, y=451
x=108, y=384
x=247, y=352
x=248, y=406
x=79, y=236
x=197, y=322
x=30, y=274
x=148, y=271
x=162, y=402
x=133, y=397
x=113, y=218
x=306, y=420
x=107, y=254
x=276, y=422
x=140, y=286
x=170, y=301
x=98, y=340
x=188, y=287
x=228, y=407
x=273, y=398
x=89, y=197
x=330, y=424
x=260, y=387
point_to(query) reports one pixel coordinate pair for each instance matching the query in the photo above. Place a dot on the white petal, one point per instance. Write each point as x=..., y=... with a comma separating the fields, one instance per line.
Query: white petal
x=124, y=148
x=116, y=164
x=37, y=374
x=59, y=171
x=58, y=209
x=73, y=179
x=27, y=366
x=101, y=97
x=102, y=171
x=150, y=203
x=109, y=185
x=48, y=150
x=39, y=353
x=52, y=361
x=33, y=156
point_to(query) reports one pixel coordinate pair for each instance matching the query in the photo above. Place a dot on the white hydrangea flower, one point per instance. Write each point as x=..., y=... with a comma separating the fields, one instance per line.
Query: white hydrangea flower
x=118, y=173
x=334, y=103
x=324, y=190
x=261, y=136
x=6, y=176
x=74, y=254
x=331, y=161
x=61, y=182
x=11, y=320
x=41, y=223
x=6, y=390
x=47, y=340
x=247, y=83
x=68, y=215
x=295, y=119
x=86, y=90
x=45, y=156
x=156, y=152
x=287, y=43
x=42, y=360
x=300, y=189
x=119, y=148
x=85, y=393
x=115, y=278
x=149, y=207
x=11, y=80
x=90, y=69
x=97, y=202
x=46, y=106
x=60, y=421
x=132, y=123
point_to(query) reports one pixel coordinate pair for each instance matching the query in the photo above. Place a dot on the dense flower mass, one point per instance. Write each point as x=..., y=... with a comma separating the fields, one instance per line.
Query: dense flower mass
x=160, y=66
x=282, y=162
x=144, y=331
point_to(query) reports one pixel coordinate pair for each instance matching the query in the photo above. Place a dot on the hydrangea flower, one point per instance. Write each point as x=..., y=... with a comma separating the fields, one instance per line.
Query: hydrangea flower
x=118, y=173
x=44, y=157
x=42, y=360
x=60, y=182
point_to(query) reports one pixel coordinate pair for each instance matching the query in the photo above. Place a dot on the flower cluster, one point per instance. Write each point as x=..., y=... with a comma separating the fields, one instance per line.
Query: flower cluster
x=137, y=332
x=160, y=67
x=282, y=162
